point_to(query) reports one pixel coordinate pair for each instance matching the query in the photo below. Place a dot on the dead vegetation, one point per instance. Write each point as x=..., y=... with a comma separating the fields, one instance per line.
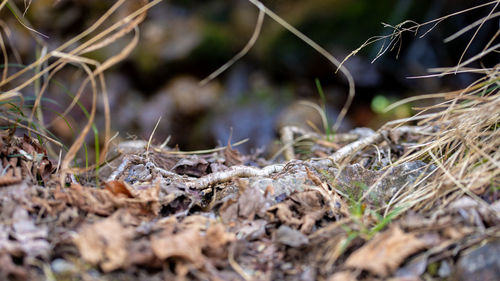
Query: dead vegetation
x=403, y=203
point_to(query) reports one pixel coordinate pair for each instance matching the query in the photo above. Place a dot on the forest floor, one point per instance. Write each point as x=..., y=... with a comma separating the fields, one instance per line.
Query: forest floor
x=402, y=203
x=418, y=199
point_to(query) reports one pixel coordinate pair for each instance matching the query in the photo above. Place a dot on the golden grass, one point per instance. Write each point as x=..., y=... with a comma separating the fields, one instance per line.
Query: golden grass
x=66, y=54
x=465, y=147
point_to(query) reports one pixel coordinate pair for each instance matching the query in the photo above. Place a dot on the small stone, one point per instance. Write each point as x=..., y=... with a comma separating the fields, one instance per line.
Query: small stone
x=482, y=263
x=60, y=266
x=290, y=237
x=444, y=269
x=287, y=266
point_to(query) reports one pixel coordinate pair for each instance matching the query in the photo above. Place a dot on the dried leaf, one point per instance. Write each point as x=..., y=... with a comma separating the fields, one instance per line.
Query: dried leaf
x=31, y=238
x=194, y=166
x=343, y=276
x=290, y=237
x=105, y=243
x=232, y=156
x=186, y=245
x=118, y=188
x=12, y=176
x=9, y=270
x=301, y=210
x=385, y=252
x=216, y=240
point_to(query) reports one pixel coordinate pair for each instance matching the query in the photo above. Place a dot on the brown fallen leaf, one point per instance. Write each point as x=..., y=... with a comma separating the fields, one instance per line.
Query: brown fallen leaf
x=143, y=202
x=194, y=166
x=216, y=241
x=251, y=203
x=12, y=176
x=343, y=276
x=383, y=254
x=105, y=242
x=232, y=156
x=186, y=245
x=98, y=201
x=300, y=210
x=281, y=212
x=196, y=241
x=118, y=187
x=9, y=270
x=146, y=201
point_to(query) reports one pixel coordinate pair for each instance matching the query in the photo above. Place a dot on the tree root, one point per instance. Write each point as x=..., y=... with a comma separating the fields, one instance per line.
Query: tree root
x=339, y=156
x=246, y=171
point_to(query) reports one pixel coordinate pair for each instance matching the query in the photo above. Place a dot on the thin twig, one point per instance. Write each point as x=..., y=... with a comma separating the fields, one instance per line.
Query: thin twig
x=339, y=156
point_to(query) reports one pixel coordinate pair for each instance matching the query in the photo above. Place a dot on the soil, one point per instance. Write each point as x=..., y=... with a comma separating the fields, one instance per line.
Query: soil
x=342, y=208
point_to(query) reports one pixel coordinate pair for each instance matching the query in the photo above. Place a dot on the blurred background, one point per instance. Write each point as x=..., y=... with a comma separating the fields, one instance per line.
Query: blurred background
x=182, y=42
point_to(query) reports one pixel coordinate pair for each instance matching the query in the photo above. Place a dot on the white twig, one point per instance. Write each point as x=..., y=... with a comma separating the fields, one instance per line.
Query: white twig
x=119, y=170
x=235, y=171
x=339, y=156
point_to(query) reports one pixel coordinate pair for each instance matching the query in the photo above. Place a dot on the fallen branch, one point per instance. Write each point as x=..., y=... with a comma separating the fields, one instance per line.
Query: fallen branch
x=339, y=156
x=235, y=171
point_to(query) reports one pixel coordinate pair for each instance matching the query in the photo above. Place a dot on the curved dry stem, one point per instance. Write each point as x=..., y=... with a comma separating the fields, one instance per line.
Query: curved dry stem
x=320, y=50
x=32, y=130
x=65, y=45
x=151, y=136
x=8, y=33
x=27, y=25
x=43, y=89
x=100, y=68
x=469, y=27
x=242, y=53
x=5, y=58
x=475, y=33
x=9, y=95
x=119, y=34
x=193, y=152
x=79, y=141
x=3, y=4
x=78, y=49
x=320, y=111
x=399, y=29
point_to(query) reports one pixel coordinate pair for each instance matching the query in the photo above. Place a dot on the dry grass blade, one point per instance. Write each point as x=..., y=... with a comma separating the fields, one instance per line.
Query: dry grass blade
x=8, y=34
x=473, y=59
x=27, y=5
x=448, y=95
x=414, y=27
x=48, y=70
x=32, y=130
x=151, y=136
x=465, y=149
x=3, y=4
x=242, y=53
x=5, y=58
x=61, y=48
x=320, y=50
x=193, y=152
x=65, y=163
x=119, y=34
x=99, y=70
x=10, y=95
x=322, y=114
x=108, y=63
x=15, y=11
x=476, y=32
x=76, y=51
x=469, y=27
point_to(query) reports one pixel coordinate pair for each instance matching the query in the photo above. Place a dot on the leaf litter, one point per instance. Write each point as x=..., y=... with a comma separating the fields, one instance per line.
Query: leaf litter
x=402, y=203
x=359, y=217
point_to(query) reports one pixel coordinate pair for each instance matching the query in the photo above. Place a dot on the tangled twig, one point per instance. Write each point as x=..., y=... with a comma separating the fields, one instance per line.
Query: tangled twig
x=339, y=156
